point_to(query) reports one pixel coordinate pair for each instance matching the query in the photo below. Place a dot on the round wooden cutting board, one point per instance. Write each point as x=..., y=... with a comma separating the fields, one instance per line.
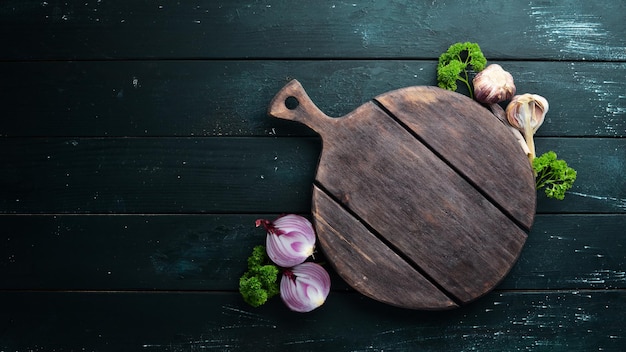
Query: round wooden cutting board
x=422, y=197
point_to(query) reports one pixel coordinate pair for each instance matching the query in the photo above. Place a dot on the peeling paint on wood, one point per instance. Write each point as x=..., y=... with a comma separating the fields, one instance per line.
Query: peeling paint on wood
x=575, y=32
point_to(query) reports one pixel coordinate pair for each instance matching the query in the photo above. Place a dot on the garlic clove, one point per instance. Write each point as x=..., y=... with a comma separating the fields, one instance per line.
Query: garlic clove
x=304, y=287
x=290, y=239
x=493, y=85
x=519, y=111
x=501, y=115
x=527, y=112
x=541, y=108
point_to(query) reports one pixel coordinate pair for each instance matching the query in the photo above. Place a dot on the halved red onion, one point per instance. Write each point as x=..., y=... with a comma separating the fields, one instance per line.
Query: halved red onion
x=290, y=239
x=304, y=287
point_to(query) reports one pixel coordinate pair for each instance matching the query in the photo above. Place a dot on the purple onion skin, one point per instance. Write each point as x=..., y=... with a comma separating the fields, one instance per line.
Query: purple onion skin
x=290, y=239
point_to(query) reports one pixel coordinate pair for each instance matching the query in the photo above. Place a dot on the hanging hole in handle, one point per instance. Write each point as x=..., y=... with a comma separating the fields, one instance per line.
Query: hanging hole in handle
x=291, y=103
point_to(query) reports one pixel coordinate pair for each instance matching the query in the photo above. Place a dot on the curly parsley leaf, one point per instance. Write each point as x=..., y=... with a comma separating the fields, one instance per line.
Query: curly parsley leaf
x=454, y=65
x=260, y=282
x=553, y=174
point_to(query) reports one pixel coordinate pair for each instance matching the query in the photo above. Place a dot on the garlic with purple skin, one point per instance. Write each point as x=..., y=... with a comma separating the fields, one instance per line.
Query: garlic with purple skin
x=493, y=85
x=526, y=113
x=304, y=287
x=290, y=239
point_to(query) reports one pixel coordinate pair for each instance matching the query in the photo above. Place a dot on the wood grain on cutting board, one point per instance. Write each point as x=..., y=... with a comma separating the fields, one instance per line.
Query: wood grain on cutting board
x=402, y=177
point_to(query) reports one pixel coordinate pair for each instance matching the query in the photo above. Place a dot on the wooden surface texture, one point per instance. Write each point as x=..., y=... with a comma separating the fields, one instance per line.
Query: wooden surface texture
x=400, y=176
x=136, y=153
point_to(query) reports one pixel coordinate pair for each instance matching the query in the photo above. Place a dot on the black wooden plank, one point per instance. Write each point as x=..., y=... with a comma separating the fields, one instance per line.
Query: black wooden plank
x=157, y=175
x=208, y=252
x=126, y=252
x=533, y=321
x=576, y=29
x=586, y=99
x=600, y=184
x=215, y=98
x=572, y=251
x=233, y=175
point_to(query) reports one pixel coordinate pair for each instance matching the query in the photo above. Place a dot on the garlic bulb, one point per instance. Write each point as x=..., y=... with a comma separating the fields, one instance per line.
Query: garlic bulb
x=526, y=113
x=493, y=85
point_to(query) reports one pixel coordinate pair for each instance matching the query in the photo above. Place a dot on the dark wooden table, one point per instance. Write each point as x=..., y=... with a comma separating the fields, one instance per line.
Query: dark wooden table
x=136, y=154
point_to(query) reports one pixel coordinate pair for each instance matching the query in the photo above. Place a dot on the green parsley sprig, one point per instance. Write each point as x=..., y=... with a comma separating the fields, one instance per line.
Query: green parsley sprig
x=453, y=65
x=260, y=282
x=553, y=174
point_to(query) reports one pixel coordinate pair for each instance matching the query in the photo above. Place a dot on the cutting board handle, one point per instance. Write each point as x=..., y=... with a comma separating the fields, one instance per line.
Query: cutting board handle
x=292, y=103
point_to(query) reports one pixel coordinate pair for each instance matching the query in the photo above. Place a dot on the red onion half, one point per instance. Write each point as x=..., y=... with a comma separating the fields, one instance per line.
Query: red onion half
x=290, y=239
x=304, y=287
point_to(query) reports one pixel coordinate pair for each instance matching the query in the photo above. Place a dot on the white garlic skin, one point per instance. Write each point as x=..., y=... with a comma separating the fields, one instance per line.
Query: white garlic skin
x=526, y=112
x=516, y=112
x=493, y=85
